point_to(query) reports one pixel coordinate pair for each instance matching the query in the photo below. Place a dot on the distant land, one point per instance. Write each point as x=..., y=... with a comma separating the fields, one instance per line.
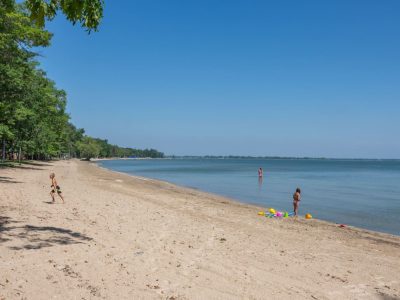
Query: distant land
x=269, y=157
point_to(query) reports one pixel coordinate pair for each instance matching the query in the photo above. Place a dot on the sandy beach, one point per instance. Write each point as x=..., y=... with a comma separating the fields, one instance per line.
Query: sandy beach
x=124, y=237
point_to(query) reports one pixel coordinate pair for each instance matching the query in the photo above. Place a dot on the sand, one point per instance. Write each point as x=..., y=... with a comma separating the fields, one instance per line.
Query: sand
x=124, y=237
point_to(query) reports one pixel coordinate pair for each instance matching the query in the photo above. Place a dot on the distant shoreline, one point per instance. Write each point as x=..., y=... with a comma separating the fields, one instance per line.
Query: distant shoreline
x=123, y=158
x=247, y=157
x=278, y=157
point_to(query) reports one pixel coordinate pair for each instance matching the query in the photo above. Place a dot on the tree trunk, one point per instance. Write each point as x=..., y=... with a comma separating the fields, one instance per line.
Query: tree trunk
x=12, y=152
x=4, y=150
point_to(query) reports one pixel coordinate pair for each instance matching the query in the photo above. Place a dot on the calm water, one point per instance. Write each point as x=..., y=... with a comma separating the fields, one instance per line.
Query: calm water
x=355, y=192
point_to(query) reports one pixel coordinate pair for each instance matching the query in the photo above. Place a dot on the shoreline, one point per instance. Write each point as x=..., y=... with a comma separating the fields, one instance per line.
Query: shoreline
x=121, y=237
x=256, y=206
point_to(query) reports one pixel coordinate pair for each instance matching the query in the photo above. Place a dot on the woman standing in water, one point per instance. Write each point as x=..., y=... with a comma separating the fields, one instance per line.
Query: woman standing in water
x=296, y=200
x=260, y=178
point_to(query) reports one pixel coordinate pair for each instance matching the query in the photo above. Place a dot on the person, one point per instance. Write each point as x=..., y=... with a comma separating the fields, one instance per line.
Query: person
x=296, y=200
x=55, y=187
x=260, y=173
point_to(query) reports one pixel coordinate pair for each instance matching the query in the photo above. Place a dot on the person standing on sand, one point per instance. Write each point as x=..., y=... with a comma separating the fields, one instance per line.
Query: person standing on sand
x=296, y=200
x=260, y=173
x=55, y=187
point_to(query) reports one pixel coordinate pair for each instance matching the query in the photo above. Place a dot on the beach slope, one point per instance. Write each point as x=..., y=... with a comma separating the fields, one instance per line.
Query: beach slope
x=124, y=237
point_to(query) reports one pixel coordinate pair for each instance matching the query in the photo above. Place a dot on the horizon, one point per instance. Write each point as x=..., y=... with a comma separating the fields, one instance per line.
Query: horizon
x=281, y=79
x=172, y=156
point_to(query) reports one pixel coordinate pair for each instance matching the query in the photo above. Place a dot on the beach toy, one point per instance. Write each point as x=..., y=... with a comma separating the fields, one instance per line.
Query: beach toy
x=261, y=213
x=279, y=214
x=272, y=211
x=285, y=215
x=308, y=216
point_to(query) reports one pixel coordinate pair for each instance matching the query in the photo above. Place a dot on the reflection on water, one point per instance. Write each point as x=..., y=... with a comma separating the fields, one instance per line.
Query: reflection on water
x=260, y=183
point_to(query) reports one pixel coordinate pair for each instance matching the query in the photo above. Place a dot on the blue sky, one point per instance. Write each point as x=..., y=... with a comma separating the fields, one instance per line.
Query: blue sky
x=289, y=78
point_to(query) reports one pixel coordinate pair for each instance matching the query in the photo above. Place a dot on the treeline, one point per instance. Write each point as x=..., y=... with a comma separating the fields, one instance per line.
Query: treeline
x=90, y=147
x=33, y=119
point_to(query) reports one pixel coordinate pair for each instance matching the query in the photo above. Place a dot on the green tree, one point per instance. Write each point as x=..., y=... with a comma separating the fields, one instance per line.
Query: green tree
x=17, y=69
x=70, y=137
x=88, y=148
x=86, y=12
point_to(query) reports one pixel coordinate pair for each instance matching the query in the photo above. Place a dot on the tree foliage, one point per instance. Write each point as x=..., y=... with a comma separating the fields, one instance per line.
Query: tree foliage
x=88, y=148
x=86, y=12
x=93, y=147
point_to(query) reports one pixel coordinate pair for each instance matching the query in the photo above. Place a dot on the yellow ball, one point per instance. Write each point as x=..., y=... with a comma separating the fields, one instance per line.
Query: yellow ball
x=308, y=216
x=261, y=213
x=272, y=211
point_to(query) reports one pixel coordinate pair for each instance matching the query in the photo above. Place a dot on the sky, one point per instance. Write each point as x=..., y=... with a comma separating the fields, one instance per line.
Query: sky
x=274, y=78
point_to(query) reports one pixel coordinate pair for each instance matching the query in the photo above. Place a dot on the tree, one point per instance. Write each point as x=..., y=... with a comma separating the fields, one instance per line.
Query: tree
x=17, y=69
x=71, y=136
x=86, y=12
x=88, y=148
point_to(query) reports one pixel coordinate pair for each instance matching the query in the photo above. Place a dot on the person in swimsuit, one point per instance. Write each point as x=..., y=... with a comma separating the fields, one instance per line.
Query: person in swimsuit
x=296, y=200
x=55, y=188
x=260, y=178
x=260, y=173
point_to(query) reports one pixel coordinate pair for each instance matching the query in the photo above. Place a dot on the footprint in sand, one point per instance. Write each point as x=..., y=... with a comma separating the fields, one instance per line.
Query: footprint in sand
x=67, y=270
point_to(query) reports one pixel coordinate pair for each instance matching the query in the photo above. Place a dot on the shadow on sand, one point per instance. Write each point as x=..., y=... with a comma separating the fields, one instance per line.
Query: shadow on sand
x=37, y=163
x=27, y=165
x=8, y=180
x=49, y=202
x=387, y=297
x=37, y=237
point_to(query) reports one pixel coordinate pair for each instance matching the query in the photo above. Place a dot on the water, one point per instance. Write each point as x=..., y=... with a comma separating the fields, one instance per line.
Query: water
x=362, y=193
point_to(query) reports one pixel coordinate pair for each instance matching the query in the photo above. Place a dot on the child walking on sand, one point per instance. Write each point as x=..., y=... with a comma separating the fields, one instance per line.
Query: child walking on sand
x=296, y=200
x=55, y=187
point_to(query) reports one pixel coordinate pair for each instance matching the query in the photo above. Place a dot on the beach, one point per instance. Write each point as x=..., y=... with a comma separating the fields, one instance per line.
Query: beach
x=360, y=193
x=125, y=237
